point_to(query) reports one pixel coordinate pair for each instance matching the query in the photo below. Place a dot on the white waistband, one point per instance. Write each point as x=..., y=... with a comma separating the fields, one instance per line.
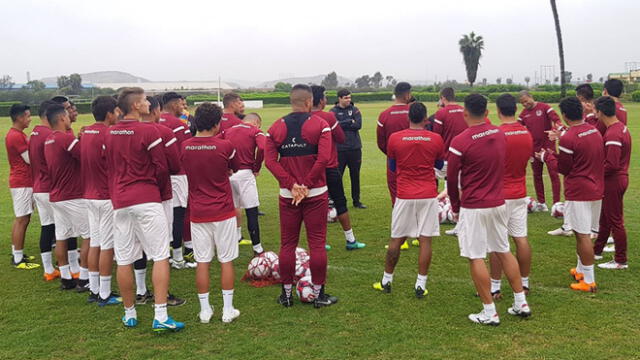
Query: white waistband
x=286, y=193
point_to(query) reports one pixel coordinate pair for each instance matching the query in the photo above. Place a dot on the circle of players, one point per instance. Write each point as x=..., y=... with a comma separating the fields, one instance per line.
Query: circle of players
x=148, y=176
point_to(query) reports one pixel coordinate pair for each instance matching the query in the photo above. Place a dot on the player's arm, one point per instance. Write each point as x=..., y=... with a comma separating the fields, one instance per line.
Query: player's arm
x=438, y=121
x=381, y=135
x=565, y=156
x=158, y=159
x=73, y=147
x=324, y=152
x=234, y=162
x=23, y=149
x=553, y=117
x=271, y=157
x=356, y=123
x=260, y=145
x=454, y=164
x=613, y=160
x=172, y=153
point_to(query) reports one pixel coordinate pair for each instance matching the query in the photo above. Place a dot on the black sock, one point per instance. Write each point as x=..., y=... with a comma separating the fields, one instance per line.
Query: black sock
x=252, y=225
x=72, y=244
x=47, y=237
x=178, y=226
x=141, y=263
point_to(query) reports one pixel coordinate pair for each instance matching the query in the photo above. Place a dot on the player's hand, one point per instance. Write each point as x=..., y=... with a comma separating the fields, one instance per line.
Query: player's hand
x=554, y=134
x=540, y=154
x=455, y=216
x=299, y=193
x=443, y=194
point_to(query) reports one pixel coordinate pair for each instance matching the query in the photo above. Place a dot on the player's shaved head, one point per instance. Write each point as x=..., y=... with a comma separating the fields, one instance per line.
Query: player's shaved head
x=55, y=113
x=42, y=109
x=127, y=97
x=402, y=91
x=229, y=98
x=253, y=119
x=300, y=96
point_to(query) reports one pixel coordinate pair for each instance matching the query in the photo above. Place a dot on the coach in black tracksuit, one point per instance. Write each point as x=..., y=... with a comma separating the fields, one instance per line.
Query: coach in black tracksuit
x=350, y=153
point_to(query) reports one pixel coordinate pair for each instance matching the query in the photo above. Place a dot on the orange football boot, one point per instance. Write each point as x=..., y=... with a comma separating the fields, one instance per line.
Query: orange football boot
x=75, y=275
x=576, y=275
x=54, y=275
x=583, y=286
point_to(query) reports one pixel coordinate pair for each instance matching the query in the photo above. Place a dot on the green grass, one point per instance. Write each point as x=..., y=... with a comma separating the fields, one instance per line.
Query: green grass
x=40, y=321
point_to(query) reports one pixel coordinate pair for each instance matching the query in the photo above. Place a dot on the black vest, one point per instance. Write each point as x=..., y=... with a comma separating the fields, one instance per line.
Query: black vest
x=294, y=144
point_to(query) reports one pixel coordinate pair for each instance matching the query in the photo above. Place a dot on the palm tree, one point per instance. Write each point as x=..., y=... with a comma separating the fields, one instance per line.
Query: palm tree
x=527, y=79
x=471, y=47
x=556, y=19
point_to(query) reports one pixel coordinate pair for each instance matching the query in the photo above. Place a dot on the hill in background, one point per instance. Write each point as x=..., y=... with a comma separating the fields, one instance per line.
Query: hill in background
x=102, y=77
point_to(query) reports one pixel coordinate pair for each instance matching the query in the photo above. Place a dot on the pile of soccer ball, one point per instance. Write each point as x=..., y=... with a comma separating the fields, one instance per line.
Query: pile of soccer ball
x=445, y=214
x=266, y=267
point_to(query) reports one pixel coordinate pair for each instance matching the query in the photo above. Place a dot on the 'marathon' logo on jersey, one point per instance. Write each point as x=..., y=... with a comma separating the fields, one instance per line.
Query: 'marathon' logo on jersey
x=200, y=147
x=416, y=138
x=92, y=131
x=484, y=133
x=516, y=132
x=588, y=132
x=122, y=132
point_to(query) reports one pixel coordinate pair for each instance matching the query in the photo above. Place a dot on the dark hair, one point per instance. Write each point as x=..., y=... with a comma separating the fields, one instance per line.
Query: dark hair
x=614, y=87
x=153, y=103
x=571, y=108
x=475, y=104
x=17, y=110
x=318, y=94
x=125, y=99
x=417, y=112
x=59, y=99
x=159, y=100
x=207, y=116
x=229, y=98
x=343, y=92
x=585, y=91
x=606, y=105
x=448, y=93
x=102, y=105
x=42, y=109
x=507, y=104
x=170, y=96
x=401, y=88
x=54, y=111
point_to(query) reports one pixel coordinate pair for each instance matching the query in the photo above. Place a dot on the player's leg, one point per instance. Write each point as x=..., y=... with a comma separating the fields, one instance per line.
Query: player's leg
x=77, y=211
x=580, y=218
x=179, y=186
x=428, y=226
x=314, y=212
x=517, y=229
x=47, y=235
x=105, y=262
x=253, y=225
x=495, y=272
x=22, y=207
x=355, y=163
x=604, y=225
x=127, y=250
x=290, y=222
x=617, y=224
x=336, y=192
x=227, y=250
x=143, y=295
x=538, y=182
x=391, y=183
x=186, y=236
x=63, y=231
x=424, y=260
x=203, y=248
x=94, y=250
x=555, y=181
x=403, y=224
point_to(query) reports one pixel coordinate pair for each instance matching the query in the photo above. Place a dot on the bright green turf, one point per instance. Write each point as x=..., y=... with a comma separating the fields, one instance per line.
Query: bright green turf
x=40, y=321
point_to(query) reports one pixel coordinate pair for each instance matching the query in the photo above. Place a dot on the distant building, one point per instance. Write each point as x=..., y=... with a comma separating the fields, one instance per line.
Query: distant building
x=632, y=76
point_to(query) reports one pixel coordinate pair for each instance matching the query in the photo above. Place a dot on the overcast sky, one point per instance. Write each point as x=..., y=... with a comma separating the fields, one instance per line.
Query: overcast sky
x=264, y=40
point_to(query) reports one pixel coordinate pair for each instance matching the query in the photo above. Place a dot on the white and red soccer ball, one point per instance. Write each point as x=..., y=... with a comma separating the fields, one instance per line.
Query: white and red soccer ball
x=531, y=204
x=304, y=290
x=259, y=268
x=557, y=210
x=275, y=270
x=270, y=256
x=332, y=215
x=302, y=255
x=301, y=269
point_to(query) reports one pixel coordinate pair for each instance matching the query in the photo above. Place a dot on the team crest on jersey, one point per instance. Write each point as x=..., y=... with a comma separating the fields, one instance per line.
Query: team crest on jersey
x=538, y=112
x=350, y=112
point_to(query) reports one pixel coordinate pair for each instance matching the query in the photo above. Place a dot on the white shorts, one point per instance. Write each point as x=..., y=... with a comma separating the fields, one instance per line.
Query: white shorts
x=219, y=236
x=45, y=210
x=582, y=216
x=101, y=223
x=180, y=188
x=244, y=189
x=71, y=219
x=516, y=217
x=481, y=231
x=138, y=228
x=22, y=201
x=414, y=218
x=167, y=205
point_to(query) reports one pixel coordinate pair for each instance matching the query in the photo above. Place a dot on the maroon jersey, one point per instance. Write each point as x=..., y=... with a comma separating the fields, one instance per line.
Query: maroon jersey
x=172, y=154
x=449, y=122
x=39, y=171
x=477, y=158
x=136, y=162
x=249, y=143
x=19, y=171
x=298, y=149
x=617, y=150
x=62, y=153
x=94, y=162
x=229, y=120
x=538, y=120
x=210, y=196
x=621, y=115
x=518, y=153
x=180, y=131
x=591, y=119
x=581, y=161
x=395, y=118
x=337, y=135
x=415, y=153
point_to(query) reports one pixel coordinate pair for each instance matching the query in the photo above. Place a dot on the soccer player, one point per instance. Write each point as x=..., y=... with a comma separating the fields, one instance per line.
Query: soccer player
x=350, y=152
x=614, y=89
x=617, y=152
x=415, y=212
x=297, y=152
x=20, y=182
x=138, y=169
x=172, y=108
x=233, y=105
x=99, y=208
x=519, y=146
x=539, y=118
x=393, y=119
x=249, y=142
x=334, y=177
x=213, y=215
x=449, y=120
x=41, y=187
x=482, y=219
x=584, y=93
x=62, y=154
x=581, y=161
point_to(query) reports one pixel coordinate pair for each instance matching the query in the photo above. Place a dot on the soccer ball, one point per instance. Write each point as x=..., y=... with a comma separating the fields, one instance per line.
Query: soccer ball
x=450, y=216
x=301, y=269
x=302, y=255
x=259, y=268
x=557, y=210
x=270, y=256
x=332, y=215
x=531, y=204
x=275, y=270
x=443, y=211
x=304, y=289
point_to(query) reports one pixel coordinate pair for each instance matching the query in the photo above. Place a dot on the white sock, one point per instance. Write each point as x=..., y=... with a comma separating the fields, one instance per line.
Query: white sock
x=105, y=286
x=73, y=257
x=525, y=282
x=258, y=248
x=589, y=275
x=94, y=282
x=177, y=254
x=421, y=282
x=579, y=265
x=204, y=302
x=495, y=285
x=227, y=299
x=84, y=273
x=17, y=255
x=387, y=278
x=188, y=244
x=489, y=309
x=161, y=312
x=519, y=299
x=316, y=290
x=141, y=281
x=130, y=313
x=65, y=273
x=239, y=232
x=47, y=262
x=348, y=235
